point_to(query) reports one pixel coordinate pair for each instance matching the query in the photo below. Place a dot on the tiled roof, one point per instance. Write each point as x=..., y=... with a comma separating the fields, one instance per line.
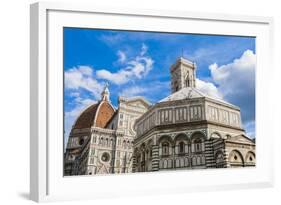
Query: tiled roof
x=95, y=115
x=191, y=93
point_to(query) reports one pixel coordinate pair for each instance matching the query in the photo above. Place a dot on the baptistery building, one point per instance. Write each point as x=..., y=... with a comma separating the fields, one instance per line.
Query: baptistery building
x=190, y=129
x=101, y=139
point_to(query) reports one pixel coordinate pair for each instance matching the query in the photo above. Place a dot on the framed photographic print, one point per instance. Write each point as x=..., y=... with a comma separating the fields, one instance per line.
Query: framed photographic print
x=128, y=102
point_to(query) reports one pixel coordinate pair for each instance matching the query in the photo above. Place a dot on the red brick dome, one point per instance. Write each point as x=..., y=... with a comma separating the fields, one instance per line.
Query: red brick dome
x=96, y=115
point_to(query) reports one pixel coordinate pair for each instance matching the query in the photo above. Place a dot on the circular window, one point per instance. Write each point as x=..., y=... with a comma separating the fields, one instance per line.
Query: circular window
x=81, y=141
x=105, y=157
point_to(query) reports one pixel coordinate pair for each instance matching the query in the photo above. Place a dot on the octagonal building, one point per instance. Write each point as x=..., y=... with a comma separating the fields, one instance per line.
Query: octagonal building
x=190, y=129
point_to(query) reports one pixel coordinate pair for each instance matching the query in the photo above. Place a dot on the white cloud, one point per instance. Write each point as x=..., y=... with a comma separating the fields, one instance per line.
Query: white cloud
x=208, y=88
x=121, y=56
x=113, y=38
x=82, y=77
x=133, y=91
x=217, y=51
x=86, y=70
x=121, y=77
x=138, y=67
x=151, y=91
x=236, y=82
x=74, y=94
x=236, y=77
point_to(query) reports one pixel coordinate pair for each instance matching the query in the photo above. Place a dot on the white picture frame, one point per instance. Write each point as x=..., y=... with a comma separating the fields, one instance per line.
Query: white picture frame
x=46, y=139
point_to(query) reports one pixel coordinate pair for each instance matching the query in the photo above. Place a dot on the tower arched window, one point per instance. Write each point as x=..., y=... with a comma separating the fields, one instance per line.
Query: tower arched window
x=187, y=80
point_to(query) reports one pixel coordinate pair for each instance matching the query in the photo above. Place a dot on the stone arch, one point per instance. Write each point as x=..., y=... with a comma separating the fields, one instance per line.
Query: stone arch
x=149, y=148
x=137, y=155
x=198, y=134
x=181, y=136
x=149, y=143
x=181, y=143
x=228, y=136
x=165, y=138
x=142, y=147
x=236, y=159
x=198, y=141
x=136, y=151
x=143, y=157
x=165, y=145
x=250, y=159
x=219, y=159
x=216, y=135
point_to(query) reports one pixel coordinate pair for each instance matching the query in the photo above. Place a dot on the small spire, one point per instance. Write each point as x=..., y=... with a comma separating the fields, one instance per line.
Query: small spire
x=105, y=93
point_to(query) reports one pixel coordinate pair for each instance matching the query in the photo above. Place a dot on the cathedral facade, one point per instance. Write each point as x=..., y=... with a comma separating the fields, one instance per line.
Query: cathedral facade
x=101, y=139
x=190, y=130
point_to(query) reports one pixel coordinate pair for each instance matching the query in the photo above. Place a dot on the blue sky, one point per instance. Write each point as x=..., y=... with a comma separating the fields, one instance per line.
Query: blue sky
x=137, y=63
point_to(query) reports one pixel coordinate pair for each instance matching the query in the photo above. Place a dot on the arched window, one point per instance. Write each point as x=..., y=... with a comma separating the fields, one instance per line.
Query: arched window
x=81, y=141
x=235, y=159
x=143, y=156
x=250, y=159
x=181, y=147
x=187, y=82
x=138, y=158
x=165, y=148
x=197, y=145
x=219, y=160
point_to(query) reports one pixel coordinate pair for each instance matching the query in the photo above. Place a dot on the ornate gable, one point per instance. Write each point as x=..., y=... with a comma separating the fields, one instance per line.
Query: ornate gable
x=138, y=103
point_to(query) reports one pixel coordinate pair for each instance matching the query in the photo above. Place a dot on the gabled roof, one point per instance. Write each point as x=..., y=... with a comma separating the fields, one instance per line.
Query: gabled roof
x=192, y=93
x=242, y=138
x=135, y=99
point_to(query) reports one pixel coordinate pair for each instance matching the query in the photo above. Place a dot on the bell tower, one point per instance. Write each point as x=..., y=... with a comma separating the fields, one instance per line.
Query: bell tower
x=182, y=74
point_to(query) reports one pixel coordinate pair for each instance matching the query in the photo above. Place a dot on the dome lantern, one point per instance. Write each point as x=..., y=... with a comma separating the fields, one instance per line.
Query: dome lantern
x=105, y=93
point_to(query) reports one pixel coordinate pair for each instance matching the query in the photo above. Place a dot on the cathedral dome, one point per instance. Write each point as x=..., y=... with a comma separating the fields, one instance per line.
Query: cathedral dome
x=96, y=115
